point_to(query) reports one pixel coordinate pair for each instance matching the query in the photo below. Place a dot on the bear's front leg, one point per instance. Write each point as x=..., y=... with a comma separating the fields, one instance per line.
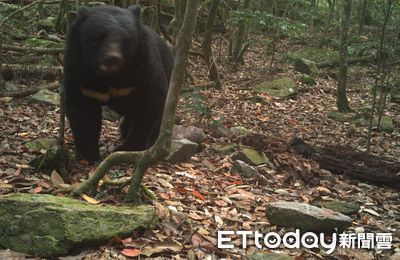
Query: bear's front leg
x=85, y=122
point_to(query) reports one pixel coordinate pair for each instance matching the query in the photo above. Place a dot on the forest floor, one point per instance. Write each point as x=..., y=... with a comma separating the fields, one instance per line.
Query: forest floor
x=202, y=196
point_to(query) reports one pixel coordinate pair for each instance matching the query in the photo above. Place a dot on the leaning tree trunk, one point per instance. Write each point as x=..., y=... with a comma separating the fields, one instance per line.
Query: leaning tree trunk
x=206, y=46
x=341, y=98
x=144, y=159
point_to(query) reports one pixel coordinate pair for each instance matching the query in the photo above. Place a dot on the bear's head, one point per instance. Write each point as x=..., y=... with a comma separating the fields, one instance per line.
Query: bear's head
x=108, y=38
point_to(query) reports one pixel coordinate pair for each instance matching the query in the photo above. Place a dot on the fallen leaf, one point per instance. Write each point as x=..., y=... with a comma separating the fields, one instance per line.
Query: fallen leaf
x=131, y=252
x=198, y=195
x=90, y=199
x=55, y=179
x=38, y=189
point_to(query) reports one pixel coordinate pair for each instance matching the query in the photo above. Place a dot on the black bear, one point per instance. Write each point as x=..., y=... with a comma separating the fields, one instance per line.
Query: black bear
x=112, y=59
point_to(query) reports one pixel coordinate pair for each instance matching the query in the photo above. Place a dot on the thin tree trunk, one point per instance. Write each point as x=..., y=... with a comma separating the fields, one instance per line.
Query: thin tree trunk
x=156, y=15
x=341, y=96
x=239, y=36
x=362, y=16
x=379, y=79
x=206, y=46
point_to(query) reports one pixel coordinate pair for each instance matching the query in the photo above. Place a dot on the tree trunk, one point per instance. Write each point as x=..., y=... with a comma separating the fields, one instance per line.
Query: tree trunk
x=206, y=46
x=363, y=12
x=341, y=98
x=240, y=36
x=156, y=15
x=379, y=79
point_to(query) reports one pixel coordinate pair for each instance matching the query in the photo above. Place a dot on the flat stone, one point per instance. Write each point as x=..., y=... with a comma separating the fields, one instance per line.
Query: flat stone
x=250, y=156
x=343, y=207
x=306, y=217
x=182, y=151
x=45, y=96
x=191, y=133
x=224, y=149
x=239, y=131
x=48, y=226
x=245, y=170
x=280, y=88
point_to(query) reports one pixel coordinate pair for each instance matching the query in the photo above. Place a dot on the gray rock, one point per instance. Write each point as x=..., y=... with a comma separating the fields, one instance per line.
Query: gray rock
x=239, y=131
x=306, y=217
x=223, y=149
x=182, y=151
x=245, y=170
x=250, y=156
x=280, y=88
x=343, y=207
x=48, y=226
x=305, y=66
x=190, y=133
x=45, y=96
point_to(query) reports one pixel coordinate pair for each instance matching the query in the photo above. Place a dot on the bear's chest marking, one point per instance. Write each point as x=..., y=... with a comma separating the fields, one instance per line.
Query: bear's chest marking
x=110, y=94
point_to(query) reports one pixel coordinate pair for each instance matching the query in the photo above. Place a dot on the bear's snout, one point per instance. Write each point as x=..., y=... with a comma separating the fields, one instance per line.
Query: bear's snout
x=111, y=62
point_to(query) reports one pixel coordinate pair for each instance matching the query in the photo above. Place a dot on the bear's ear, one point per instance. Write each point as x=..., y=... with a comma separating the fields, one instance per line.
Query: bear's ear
x=83, y=12
x=135, y=10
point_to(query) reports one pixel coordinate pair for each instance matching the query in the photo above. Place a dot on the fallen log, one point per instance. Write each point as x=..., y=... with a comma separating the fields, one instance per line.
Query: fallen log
x=351, y=61
x=337, y=159
x=33, y=49
x=357, y=165
x=27, y=92
x=9, y=71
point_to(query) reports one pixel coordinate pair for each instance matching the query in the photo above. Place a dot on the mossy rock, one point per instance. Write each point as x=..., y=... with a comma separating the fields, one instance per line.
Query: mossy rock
x=386, y=124
x=47, y=24
x=45, y=96
x=40, y=144
x=250, y=156
x=36, y=42
x=314, y=54
x=305, y=66
x=48, y=226
x=395, y=95
x=308, y=80
x=281, y=88
x=224, y=149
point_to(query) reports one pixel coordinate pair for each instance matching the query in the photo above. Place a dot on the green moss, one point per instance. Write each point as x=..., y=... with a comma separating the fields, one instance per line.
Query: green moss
x=309, y=81
x=314, y=54
x=281, y=88
x=45, y=225
x=36, y=42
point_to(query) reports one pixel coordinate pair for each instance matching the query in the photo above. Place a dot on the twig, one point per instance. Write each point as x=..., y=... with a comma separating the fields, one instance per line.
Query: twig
x=18, y=11
x=33, y=49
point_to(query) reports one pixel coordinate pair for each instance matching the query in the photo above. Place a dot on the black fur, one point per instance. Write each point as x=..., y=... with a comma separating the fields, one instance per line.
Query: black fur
x=109, y=47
